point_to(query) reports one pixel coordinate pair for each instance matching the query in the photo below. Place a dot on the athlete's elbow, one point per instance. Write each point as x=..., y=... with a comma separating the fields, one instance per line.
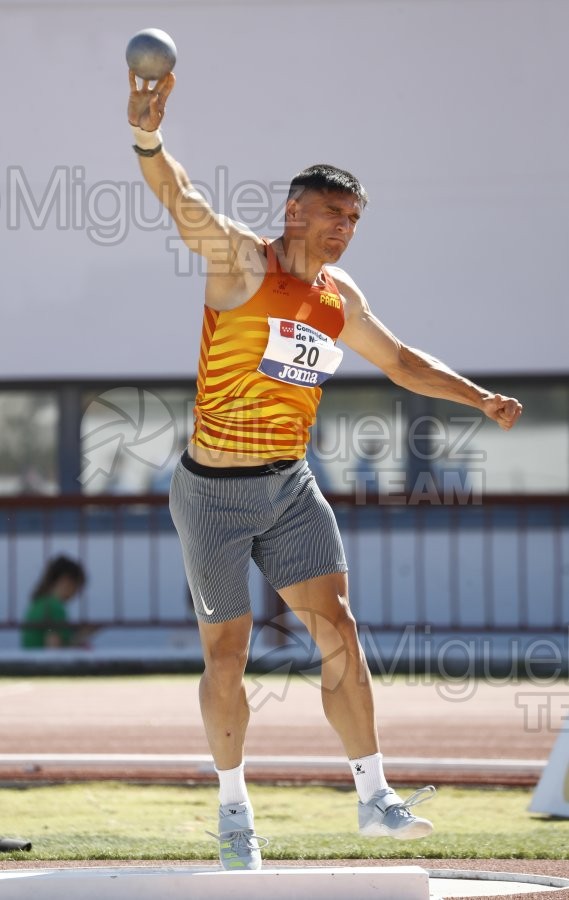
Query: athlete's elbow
x=402, y=367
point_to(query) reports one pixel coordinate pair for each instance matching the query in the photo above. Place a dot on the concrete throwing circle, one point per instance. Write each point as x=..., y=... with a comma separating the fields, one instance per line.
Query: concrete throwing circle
x=126, y=883
x=448, y=883
x=316, y=883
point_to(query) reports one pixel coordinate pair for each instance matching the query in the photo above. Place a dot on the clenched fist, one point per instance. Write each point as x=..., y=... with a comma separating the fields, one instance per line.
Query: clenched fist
x=503, y=410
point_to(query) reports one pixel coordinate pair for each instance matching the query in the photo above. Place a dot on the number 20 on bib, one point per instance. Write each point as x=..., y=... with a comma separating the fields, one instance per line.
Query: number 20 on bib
x=299, y=354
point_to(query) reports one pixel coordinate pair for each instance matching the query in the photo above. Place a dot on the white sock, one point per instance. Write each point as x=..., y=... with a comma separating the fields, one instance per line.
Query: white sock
x=232, y=787
x=368, y=775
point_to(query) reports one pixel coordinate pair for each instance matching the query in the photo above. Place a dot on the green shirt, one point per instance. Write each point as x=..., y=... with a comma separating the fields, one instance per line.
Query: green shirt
x=50, y=613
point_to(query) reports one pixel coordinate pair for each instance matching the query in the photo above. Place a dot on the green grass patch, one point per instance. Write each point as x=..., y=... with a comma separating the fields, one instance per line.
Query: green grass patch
x=123, y=821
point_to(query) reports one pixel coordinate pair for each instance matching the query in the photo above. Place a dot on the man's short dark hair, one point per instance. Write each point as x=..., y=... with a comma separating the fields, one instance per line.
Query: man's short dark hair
x=323, y=177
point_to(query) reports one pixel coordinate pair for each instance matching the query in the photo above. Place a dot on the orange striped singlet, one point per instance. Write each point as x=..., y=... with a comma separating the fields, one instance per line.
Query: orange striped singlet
x=261, y=366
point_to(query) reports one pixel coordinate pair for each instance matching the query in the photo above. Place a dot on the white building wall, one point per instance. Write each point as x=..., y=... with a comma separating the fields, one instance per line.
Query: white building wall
x=450, y=111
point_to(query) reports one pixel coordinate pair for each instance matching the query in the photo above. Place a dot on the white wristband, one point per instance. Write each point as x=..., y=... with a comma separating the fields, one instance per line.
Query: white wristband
x=146, y=140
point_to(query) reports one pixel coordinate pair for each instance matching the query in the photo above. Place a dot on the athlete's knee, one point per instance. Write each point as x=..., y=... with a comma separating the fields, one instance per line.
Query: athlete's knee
x=347, y=629
x=226, y=656
x=229, y=662
x=339, y=627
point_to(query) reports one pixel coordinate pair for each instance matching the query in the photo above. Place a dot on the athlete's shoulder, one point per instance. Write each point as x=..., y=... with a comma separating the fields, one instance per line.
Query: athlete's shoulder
x=345, y=283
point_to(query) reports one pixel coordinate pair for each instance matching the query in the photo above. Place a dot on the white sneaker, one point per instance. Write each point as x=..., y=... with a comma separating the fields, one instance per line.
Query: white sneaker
x=239, y=846
x=387, y=815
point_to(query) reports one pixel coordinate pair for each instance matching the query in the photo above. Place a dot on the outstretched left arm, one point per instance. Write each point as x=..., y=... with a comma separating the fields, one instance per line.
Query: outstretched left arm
x=413, y=369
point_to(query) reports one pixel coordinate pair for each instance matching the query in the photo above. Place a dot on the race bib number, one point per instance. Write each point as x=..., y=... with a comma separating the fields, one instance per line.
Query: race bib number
x=299, y=354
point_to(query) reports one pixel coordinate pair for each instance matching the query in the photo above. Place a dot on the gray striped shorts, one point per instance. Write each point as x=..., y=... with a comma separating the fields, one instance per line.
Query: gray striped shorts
x=279, y=519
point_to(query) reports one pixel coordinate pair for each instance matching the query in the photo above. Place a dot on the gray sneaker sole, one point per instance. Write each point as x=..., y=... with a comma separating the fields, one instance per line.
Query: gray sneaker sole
x=419, y=829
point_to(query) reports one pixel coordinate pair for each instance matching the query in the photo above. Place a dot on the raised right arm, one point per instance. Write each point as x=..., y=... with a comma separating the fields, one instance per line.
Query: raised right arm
x=220, y=239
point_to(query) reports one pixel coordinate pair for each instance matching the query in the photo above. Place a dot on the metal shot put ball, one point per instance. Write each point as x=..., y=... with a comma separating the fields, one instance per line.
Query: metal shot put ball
x=151, y=54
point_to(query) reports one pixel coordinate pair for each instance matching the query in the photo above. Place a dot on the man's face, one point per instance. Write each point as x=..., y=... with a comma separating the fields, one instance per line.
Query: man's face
x=325, y=220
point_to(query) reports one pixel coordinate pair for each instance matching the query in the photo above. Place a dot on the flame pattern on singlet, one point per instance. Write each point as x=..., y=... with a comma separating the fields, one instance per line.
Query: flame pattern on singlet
x=240, y=409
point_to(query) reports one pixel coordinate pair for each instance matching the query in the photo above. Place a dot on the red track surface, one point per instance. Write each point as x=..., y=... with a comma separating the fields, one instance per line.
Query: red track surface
x=148, y=714
x=161, y=715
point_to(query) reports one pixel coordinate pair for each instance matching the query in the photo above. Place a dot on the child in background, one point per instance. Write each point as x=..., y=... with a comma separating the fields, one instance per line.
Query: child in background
x=62, y=579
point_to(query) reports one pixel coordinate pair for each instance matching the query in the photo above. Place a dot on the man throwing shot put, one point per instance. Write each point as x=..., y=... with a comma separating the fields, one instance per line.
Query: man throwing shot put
x=274, y=311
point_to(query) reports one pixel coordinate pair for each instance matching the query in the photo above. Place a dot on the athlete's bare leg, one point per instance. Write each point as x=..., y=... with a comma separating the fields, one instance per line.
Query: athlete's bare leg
x=223, y=700
x=322, y=605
